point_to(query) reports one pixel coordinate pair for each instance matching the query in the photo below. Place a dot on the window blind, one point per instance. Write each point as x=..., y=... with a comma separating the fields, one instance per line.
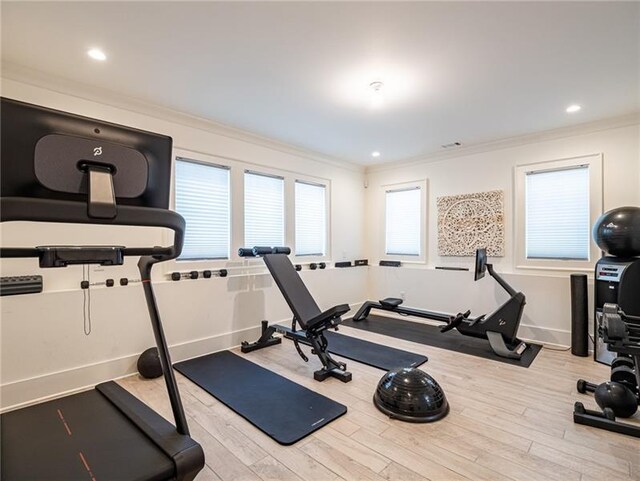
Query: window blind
x=263, y=210
x=557, y=214
x=402, y=229
x=311, y=219
x=202, y=198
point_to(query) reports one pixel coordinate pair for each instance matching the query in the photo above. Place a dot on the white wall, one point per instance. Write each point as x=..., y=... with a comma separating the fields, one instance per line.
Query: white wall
x=44, y=350
x=547, y=314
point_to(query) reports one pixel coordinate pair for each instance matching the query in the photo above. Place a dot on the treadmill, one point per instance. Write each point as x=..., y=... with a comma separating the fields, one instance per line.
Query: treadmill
x=63, y=168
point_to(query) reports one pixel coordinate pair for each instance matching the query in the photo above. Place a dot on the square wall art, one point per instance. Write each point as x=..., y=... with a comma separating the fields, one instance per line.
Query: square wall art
x=469, y=221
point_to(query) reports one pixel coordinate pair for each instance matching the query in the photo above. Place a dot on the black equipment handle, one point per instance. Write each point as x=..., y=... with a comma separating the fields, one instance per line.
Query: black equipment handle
x=259, y=251
x=39, y=210
x=455, y=322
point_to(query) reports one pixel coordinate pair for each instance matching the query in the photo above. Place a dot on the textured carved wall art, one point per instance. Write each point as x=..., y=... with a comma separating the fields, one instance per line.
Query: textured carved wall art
x=469, y=221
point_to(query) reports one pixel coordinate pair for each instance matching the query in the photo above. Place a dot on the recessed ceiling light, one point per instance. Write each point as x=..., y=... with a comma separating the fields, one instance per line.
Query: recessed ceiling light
x=573, y=108
x=97, y=54
x=375, y=154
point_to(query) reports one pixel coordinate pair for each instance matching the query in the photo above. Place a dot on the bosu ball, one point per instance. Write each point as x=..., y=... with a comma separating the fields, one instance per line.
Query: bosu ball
x=411, y=395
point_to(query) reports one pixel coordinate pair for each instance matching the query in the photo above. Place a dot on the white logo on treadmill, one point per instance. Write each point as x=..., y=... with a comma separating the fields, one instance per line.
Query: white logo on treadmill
x=97, y=151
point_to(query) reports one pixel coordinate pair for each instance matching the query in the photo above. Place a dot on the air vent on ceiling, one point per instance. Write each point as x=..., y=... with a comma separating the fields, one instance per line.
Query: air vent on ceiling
x=451, y=145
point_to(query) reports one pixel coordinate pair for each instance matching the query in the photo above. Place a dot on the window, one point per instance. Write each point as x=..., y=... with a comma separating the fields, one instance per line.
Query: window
x=403, y=221
x=202, y=198
x=557, y=202
x=263, y=210
x=311, y=219
x=557, y=214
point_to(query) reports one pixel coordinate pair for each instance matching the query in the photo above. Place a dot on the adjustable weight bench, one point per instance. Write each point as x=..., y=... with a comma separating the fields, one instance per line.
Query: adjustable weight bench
x=306, y=314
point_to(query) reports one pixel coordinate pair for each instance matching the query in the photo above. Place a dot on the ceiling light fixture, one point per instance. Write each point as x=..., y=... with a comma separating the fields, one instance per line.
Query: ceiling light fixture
x=97, y=54
x=573, y=108
x=375, y=154
x=377, y=98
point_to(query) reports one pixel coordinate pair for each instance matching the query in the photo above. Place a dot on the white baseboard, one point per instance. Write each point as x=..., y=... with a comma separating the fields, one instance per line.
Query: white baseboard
x=49, y=386
x=37, y=389
x=41, y=388
x=545, y=335
x=527, y=332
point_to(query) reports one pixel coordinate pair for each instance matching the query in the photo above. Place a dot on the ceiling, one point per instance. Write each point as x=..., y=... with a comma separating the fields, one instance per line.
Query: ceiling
x=300, y=72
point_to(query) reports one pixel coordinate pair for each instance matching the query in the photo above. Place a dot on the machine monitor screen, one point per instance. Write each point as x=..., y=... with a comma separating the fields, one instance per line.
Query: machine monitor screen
x=46, y=154
x=481, y=263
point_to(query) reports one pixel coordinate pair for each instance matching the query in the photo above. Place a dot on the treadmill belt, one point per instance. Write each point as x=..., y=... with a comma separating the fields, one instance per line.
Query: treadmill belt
x=372, y=354
x=431, y=336
x=282, y=409
x=79, y=437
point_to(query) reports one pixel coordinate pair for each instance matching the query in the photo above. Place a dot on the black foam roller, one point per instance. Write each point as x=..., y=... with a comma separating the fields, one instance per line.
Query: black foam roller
x=579, y=316
x=262, y=250
x=282, y=250
x=246, y=252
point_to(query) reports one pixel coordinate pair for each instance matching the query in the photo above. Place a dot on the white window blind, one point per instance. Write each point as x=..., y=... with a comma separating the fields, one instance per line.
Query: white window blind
x=557, y=214
x=263, y=210
x=202, y=198
x=402, y=230
x=311, y=222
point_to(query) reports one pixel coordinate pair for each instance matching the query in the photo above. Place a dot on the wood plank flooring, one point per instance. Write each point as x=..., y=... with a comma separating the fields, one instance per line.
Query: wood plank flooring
x=506, y=423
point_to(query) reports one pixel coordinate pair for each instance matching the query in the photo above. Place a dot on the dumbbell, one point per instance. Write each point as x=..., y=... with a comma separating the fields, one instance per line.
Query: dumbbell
x=622, y=361
x=626, y=376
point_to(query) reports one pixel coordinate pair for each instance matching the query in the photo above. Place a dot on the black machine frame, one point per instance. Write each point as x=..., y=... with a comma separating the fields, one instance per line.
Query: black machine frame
x=500, y=327
x=26, y=198
x=621, y=334
x=299, y=299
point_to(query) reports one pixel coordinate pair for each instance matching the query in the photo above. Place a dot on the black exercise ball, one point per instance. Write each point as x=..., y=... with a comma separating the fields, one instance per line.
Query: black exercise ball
x=410, y=394
x=149, y=365
x=617, y=232
x=617, y=397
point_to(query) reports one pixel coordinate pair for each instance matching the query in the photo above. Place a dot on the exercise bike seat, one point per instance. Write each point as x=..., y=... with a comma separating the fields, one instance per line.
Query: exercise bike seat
x=390, y=302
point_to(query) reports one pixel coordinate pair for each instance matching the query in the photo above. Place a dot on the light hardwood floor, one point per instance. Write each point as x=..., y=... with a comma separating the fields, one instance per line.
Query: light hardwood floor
x=506, y=423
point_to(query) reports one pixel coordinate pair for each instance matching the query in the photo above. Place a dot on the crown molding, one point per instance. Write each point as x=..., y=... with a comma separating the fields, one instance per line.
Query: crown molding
x=19, y=73
x=37, y=78
x=626, y=120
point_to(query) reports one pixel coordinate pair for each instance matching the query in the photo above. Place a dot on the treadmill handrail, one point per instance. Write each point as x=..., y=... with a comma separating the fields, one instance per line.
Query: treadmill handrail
x=39, y=210
x=69, y=212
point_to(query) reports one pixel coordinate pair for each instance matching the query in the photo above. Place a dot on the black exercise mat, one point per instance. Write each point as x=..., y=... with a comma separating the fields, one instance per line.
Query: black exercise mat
x=280, y=408
x=431, y=336
x=372, y=354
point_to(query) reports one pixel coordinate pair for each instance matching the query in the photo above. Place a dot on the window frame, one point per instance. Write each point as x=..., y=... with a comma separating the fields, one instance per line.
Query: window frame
x=213, y=161
x=594, y=164
x=274, y=175
x=237, y=168
x=405, y=258
x=327, y=218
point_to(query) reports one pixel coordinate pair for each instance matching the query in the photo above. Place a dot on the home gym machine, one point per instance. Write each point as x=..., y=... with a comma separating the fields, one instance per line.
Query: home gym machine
x=306, y=314
x=620, y=397
x=500, y=328
x=616, y=322
x=62, y=168
x=617, y=273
